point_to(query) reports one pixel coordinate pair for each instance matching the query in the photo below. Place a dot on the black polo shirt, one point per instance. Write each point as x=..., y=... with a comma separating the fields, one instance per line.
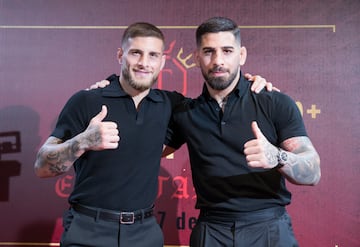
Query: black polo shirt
x=215, y=140
x=125, y=178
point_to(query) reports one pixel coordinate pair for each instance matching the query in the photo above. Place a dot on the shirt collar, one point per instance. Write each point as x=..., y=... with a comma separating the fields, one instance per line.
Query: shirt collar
x=239, y=90
x=115, y=90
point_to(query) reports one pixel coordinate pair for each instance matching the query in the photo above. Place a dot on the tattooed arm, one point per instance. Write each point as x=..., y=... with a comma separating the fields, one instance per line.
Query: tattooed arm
x=297, y=158
x=302, y=162
x=56, y=157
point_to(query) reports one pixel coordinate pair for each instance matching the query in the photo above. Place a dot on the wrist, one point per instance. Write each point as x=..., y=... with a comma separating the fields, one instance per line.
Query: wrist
x=282, y=158
x=79, y=145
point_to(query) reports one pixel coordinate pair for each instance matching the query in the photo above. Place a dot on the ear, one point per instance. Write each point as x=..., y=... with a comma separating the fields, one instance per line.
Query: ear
x=163, y=60
x=119, y=55
x=243, y=54
x=196, y=58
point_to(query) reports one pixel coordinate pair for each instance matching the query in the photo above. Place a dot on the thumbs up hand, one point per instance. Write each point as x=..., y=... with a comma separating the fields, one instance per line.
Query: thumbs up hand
x=259, y=151
x=100, y=134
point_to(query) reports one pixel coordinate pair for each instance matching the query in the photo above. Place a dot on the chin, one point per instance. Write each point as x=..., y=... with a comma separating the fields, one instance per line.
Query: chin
x=142, y=86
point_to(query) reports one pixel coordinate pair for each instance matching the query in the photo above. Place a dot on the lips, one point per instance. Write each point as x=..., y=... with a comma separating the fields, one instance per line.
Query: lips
x=218, y=72
x=142, y=73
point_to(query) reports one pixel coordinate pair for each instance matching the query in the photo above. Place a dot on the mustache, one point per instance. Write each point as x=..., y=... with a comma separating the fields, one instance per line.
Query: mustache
x=218, y=69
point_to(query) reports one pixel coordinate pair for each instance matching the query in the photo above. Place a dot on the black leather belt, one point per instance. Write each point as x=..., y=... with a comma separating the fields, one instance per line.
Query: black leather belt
x=107, y=215
x=259, y=215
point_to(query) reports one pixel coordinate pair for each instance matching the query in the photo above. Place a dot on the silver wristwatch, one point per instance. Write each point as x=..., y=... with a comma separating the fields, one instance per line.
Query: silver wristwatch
x=282, y=157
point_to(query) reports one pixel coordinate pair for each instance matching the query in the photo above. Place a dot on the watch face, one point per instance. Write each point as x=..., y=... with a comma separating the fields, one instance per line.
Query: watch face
x=283, y=156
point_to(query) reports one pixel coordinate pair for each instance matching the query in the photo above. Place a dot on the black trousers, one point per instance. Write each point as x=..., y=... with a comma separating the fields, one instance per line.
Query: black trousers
x=82, y=230
x=265, y=228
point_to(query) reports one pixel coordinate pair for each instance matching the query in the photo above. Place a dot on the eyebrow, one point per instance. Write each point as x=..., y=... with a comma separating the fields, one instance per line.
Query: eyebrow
x=223, y=47
x=141, y=51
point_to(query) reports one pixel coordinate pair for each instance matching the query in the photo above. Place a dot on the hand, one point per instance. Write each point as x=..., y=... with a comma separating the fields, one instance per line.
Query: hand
x=259, y=83
x=100, y=134
x=259, y=151
x=99, y=84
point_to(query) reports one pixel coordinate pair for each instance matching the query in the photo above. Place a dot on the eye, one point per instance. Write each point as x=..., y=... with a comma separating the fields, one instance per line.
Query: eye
x=135, y=53
x=154, y=55
x=227, y=51
x=208, y=51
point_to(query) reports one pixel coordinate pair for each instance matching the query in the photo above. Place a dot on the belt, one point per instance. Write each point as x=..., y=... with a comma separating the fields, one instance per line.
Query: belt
x=263, y=214
x=107, y=215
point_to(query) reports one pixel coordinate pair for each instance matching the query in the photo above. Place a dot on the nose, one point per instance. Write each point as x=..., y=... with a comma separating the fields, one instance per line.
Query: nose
x=143, y=60
x=218, y=58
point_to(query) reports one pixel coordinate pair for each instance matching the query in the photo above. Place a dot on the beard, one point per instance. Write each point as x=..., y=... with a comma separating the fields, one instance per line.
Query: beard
x=137, y=85
x=219, y=83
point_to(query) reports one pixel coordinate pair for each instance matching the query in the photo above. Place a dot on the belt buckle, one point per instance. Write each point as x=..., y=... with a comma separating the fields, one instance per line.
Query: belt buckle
x=127, y=217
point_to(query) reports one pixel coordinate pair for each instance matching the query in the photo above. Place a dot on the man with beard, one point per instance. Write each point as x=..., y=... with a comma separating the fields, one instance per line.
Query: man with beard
x=242, y=147
x=116, y=180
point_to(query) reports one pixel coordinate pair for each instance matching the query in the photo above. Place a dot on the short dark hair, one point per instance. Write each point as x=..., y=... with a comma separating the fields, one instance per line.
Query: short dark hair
x=142, y=29
x=215, y=25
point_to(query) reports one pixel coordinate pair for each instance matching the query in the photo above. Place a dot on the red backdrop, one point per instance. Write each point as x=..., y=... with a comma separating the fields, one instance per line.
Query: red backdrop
x=50, y=49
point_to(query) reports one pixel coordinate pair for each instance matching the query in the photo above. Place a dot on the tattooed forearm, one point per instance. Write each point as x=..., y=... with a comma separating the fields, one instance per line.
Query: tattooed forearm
x=58, y=169
x=303, y=164
x=56, y=158
x=300, y=170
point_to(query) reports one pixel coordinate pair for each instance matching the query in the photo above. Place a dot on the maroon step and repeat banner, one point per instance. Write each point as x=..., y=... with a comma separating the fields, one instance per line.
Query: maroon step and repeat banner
x=310, y=49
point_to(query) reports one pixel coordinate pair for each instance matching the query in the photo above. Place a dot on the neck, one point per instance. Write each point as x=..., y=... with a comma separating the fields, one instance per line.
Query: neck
x=135, y=94
x=221, y=95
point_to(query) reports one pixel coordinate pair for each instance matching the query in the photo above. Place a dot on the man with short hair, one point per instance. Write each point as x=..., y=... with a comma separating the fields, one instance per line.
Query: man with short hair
x=113, y=137
x=242, y=147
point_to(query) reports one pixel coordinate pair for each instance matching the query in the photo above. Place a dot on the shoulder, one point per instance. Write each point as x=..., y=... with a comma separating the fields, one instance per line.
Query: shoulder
x=173, y=94
x=79, y=96
x=188, y=104
x=278, y=106
x=273, y=97
x=175, y=98
x=83, y=100
x=85, y=94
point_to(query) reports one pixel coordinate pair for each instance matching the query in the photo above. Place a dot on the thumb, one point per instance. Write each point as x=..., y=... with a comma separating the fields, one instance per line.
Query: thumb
x=101, y=115
x=256, y=131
